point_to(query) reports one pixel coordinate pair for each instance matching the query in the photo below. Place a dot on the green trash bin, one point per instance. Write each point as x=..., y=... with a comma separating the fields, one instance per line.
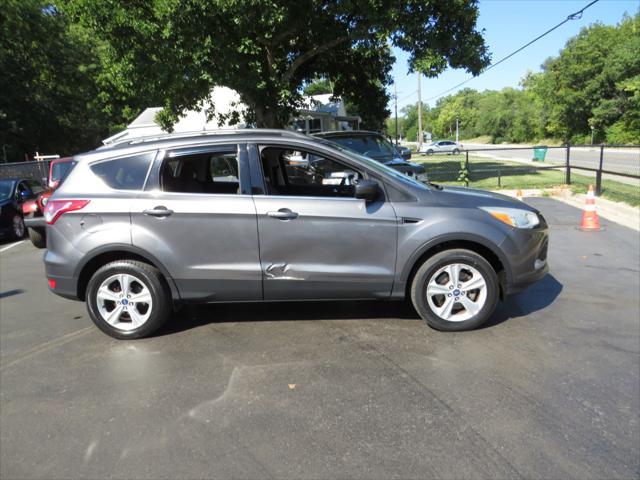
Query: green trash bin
x=539, y=153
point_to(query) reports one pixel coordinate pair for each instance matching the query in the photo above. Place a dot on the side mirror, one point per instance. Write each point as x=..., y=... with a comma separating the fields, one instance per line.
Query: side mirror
x=367, y=190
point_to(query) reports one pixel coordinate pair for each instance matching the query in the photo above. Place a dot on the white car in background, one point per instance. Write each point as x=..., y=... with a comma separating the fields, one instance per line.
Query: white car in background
x=441, y=146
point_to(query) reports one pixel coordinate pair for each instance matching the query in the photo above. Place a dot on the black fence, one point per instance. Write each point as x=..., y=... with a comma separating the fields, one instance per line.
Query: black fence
x=32, y=170
x=620, y=163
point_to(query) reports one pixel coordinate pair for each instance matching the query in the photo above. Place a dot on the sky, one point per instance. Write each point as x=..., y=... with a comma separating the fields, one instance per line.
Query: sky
x=508, y=25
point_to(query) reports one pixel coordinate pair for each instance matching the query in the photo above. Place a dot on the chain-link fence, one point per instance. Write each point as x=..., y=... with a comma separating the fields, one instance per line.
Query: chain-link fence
x=32, y=170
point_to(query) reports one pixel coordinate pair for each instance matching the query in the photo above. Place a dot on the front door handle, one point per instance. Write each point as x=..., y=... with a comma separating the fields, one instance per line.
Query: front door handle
x=158, y=212
x=283, y=214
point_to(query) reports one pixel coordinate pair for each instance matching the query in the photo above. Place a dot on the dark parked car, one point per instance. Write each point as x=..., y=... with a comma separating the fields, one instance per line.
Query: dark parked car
x=33, y=209
x=405, y=152
x=266, y=215
x=13, y=193
x=376, y=146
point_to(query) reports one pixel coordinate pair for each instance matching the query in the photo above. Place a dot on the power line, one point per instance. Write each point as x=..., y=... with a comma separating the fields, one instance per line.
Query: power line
x=574, y=16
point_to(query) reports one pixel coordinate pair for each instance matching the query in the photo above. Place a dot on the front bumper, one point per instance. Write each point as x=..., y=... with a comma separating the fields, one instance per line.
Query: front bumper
x=526, y=250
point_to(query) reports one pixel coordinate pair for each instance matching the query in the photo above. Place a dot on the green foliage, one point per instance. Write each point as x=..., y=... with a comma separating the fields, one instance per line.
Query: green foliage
x=595, y=81
x=267, y=50
x=318, y=86
x=463, y=173
x=56, y=91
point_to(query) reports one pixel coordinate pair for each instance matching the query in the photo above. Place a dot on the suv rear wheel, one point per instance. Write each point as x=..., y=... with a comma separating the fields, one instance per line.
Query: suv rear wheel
x=455, y=290
x=128, y=299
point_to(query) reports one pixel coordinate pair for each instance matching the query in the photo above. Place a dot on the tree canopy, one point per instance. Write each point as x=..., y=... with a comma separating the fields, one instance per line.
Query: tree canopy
x=594, y=81
x=267, y=50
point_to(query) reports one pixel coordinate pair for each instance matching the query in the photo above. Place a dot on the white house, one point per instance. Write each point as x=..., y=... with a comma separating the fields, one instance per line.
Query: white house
x=319, y=115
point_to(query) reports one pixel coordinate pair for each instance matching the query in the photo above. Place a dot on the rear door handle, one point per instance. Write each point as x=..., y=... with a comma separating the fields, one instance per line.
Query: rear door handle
x=158, y=212
x=283, y=214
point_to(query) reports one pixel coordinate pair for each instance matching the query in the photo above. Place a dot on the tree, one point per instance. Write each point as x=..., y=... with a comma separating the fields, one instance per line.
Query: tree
x=267, y=50
x=591, y=82
x=56, y=95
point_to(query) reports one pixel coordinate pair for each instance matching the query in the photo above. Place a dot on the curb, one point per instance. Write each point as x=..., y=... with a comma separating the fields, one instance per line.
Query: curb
x=616, y=212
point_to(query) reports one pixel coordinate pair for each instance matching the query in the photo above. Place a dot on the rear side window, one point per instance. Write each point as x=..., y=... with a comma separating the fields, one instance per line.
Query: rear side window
x=127, y=173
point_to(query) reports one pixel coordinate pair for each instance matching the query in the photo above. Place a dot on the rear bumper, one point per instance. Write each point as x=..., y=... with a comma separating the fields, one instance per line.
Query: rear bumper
x=65, y=287
x=57, y=268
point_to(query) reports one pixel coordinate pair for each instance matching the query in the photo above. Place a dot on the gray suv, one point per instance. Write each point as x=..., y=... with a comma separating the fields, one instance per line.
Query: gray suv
x=144, y=226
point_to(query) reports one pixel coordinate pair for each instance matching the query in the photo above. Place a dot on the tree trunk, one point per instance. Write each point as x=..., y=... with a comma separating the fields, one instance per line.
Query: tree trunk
x=267, y=117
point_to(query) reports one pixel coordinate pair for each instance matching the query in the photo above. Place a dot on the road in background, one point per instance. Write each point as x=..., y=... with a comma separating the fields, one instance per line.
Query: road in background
x=623, y=160
x=549, y=389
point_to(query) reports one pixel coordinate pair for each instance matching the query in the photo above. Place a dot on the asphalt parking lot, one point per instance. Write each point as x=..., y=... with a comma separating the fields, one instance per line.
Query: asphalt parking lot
x=549, y=389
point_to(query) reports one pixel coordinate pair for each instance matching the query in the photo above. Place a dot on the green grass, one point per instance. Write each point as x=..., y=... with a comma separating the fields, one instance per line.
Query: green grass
x=491, y=174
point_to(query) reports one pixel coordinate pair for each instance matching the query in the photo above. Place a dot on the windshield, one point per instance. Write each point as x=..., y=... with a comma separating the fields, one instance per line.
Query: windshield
x=370, y=146
x=377, y=166
x=6, y=187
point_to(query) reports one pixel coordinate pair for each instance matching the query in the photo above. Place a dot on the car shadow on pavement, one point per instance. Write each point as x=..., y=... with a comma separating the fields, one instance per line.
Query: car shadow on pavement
x=536, y=297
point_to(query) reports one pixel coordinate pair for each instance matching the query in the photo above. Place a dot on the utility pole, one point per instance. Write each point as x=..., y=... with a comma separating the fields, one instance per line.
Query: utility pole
x=419, y=113
x=457, y=136
x=395, y=96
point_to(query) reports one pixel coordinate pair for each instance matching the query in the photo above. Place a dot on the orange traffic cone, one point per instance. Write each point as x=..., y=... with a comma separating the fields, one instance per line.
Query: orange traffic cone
x=519, y=194
x=590, y=220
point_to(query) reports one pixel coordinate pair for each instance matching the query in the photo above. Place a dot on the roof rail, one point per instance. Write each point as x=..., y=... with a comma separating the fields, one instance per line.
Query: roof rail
x=201, y=133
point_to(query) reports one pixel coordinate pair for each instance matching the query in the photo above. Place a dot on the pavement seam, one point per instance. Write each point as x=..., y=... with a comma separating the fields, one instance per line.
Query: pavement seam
x=46, y=346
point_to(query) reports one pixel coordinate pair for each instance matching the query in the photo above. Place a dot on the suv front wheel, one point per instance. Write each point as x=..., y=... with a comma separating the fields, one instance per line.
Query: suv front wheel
x=455, y=290
x=128, y=299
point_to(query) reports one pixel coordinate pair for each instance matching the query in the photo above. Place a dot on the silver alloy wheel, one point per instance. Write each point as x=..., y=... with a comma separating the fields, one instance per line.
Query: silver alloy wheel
x=18, y=226
x=456, y=292
x=124, y=301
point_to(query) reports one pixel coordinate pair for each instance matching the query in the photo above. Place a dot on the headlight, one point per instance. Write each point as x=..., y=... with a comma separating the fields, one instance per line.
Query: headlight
x=45, y=200
x=514, y=216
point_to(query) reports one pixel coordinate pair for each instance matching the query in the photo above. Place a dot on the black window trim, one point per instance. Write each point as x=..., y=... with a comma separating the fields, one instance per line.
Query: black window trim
x=259, y=182
x=153, y=179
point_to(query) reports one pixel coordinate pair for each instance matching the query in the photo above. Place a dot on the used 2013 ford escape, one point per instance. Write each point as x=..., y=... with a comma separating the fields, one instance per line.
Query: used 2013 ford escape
x=257, y=215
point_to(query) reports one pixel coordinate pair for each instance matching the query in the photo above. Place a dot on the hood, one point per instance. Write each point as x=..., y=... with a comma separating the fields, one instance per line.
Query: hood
x=387, y=160
x=473, y=197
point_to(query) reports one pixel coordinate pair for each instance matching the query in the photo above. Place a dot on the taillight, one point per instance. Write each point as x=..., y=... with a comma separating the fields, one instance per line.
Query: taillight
x=55, y=208
x=29, y=207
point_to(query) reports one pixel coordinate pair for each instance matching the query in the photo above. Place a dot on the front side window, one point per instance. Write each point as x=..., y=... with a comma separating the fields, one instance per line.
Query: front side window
x=302, y=173
x=128, y=173
x=206, y=173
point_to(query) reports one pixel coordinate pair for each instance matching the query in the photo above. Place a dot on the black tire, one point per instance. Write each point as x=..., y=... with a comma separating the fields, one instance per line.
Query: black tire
x=456, y=151
x=432, y=266
x=429, y=152
x=148, y=276
x=17, y=227
x=37, y=237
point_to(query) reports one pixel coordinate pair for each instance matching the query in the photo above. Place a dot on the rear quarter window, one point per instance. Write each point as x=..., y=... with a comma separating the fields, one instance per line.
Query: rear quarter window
x=128, y=173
